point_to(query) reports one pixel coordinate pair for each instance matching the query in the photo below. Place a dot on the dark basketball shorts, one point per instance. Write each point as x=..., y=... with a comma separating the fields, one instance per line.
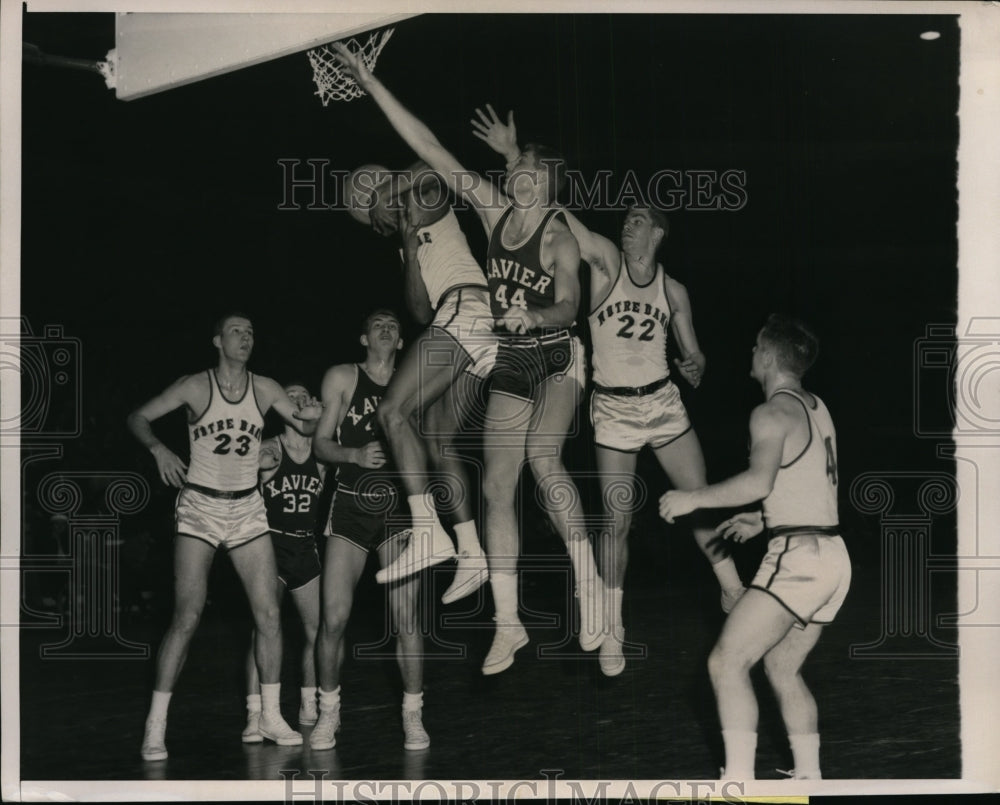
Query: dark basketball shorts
x=297, y=558
x=366, y=520
x=809, y=573
x=523, y=364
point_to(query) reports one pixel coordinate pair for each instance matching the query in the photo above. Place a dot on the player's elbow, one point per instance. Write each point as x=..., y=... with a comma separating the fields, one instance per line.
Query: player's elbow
x=760, y=486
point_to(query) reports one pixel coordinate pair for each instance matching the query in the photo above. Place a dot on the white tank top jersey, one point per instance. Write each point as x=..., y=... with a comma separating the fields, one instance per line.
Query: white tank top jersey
x=225, y=440
x=629, y=332
x=445, y=258
x=805, y=489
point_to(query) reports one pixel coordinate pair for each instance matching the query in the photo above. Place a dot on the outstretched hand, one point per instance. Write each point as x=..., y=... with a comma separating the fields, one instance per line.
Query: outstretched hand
x=676, y=503
x=354, y=64
x=741, y=527
x=310, y=411
x=501, y=137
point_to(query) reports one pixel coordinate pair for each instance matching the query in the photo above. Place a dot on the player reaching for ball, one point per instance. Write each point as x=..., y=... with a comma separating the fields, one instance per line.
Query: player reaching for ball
x=635, y=401
x=445, y=288
x=534, y=292
x=804, y=577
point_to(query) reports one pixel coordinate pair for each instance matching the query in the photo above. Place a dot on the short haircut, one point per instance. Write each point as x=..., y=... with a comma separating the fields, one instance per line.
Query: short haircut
x=656, y=215
x=794, y=344
x=555, y=167
x=221, y=321
x=382, y=311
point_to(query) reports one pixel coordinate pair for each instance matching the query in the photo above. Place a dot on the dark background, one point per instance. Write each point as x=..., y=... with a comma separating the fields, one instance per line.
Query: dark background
x=144, y=220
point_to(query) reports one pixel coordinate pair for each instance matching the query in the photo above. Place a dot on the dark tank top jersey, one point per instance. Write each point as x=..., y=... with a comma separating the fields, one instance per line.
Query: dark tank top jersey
x=292, y=494
x=360, y=426
x=515, y=276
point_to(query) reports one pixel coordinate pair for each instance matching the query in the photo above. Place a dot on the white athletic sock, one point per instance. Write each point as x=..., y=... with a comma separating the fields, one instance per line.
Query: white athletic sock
x=725, y=572
x=329, y=699
x=468, y=538
x=582, y=557
x=270, y=697
x=413, y=701
x=741, y=749
x=253, y=703
x=160, y=703
x=613, y=598
x=422, y=508
x=504, y=587
x=308, y=694
x=805, y=754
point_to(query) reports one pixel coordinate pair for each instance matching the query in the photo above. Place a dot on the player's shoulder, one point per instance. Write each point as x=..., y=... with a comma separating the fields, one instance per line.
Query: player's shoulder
x=676, y=290
x=339, y=375
x=194, y=383
x=781, y=411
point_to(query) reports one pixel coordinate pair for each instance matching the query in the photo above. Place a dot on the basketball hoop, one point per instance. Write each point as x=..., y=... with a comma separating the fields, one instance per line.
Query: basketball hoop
x=333, y=82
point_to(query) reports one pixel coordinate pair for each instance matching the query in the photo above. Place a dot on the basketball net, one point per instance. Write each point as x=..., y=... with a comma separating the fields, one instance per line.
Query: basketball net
x=333, y=82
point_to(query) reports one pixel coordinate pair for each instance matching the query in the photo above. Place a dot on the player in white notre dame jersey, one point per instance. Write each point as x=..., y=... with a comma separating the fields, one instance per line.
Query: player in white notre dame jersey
x=441, y=373
x=220, y=505
x=533, y=275
x=633, y=304
x=805, y=575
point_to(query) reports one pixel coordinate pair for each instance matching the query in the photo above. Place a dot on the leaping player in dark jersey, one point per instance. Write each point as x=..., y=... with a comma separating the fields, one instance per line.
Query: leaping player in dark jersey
x=220, y=505
x=633, y=305
x=291, y=481
x=805, y=575
x=532, y=272
x=364, y=518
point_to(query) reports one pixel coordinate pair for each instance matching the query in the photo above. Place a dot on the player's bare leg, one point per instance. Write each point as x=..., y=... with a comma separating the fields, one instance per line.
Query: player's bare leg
x=617, y=478
x=342, y=567
x=442, y=422
x=255, y=565
x=783, y=665
x=684, y=464
x=306, y=600
x=756, y=624
x=404, y=600
x=192, y=563
x=251, y=733
x=507, y=420
x=559, y=398
x=420, y=379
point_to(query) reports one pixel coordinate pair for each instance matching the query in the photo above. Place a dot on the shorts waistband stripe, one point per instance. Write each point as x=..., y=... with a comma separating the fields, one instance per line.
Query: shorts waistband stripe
x=221, y=494
x=792, y=530
x=629, y=391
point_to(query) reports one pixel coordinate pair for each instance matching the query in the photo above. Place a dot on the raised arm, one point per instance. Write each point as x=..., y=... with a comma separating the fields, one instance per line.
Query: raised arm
x=172, y=470
x=486, y=199
x=598, y=251
x=691, y=362
x=769, y=427
x=336, y=391
x=272, y=395
x=417, y=300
